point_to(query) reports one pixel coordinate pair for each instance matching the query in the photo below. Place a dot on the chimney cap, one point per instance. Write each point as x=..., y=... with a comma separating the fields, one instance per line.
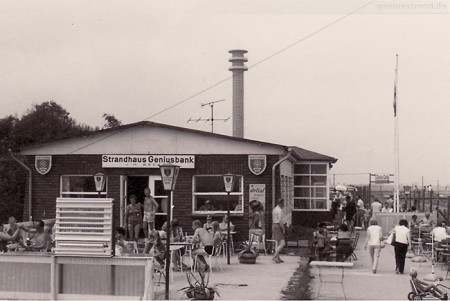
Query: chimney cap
x=238, y=51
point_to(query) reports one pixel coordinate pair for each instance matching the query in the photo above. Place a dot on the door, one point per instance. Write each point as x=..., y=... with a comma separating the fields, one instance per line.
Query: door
x=123, y=199
x=157, y=191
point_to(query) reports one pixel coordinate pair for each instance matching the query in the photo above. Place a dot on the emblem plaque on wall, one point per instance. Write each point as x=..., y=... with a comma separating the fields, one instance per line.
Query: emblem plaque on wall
x=43, y=164
x=257, y=164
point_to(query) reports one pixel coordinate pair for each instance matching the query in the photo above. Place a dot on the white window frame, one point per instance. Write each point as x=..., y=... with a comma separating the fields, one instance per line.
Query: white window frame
x=65, y=194
x=311, y=186
x=217, y=212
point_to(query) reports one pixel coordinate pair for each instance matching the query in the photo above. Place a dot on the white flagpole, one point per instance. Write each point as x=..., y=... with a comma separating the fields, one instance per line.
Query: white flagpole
x=396, y=143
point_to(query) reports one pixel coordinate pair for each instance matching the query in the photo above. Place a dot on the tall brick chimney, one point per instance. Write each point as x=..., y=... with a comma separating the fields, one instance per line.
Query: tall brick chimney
x=238, y=67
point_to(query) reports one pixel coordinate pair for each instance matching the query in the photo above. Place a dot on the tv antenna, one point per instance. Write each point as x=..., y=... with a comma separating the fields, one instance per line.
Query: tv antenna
x=211, y=105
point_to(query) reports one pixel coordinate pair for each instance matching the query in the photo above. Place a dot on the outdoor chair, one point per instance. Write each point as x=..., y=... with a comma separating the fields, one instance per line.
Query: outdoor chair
x=354, y=245
x=215, y=253
x=258, y=241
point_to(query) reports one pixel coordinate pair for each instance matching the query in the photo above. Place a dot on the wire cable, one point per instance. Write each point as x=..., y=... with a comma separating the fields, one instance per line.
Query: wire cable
x=250, y=67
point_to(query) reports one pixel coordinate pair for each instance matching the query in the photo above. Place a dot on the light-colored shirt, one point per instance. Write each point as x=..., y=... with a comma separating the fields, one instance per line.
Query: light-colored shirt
x=277, y=215
x=440, y=233
x=360, y=204
x=374, y=235
x=402, y=234
x=376, y=207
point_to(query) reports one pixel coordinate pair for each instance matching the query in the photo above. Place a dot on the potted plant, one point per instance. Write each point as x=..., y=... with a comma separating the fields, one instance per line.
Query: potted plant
x=248, y=256
x=199, y=289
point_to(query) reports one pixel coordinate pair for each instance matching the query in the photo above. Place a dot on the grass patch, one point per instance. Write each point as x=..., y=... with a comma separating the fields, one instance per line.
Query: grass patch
x=298, y=285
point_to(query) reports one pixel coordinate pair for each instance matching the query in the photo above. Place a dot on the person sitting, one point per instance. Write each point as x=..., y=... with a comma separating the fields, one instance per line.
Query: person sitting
x=439, y=232
x=321, y=242
x=177, y=236
x=217, y=234
x=422, y=286
x=344, y=247
x=5, y=238
x=223, y=226
x=207, y=206
x=387, y=208
x=203, y=244
x=40, y=239
x=157, y=249
x=163, y=233
x=208, y=224
x=414, y=223
x=121, y=243
x=426, y=221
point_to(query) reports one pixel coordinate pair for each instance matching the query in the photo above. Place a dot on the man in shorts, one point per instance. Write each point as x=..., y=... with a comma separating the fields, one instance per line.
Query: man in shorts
x=201, y=235
x=150, y=208
x=278, y=230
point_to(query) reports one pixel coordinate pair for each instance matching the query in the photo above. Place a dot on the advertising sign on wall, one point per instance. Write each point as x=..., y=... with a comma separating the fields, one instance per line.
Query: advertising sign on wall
x=147, y=161
x=257, y=206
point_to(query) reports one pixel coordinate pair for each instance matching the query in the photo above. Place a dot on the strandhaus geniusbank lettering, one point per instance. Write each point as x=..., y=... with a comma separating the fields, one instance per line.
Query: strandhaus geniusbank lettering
x=147, y=161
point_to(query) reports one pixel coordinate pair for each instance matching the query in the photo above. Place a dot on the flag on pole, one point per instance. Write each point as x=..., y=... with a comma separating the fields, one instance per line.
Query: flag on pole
x=395, y=99
x=395, y=88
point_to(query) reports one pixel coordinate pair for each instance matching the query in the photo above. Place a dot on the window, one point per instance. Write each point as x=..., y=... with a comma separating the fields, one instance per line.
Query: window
x=209, y=195
x=73, y=186
x=310, y=186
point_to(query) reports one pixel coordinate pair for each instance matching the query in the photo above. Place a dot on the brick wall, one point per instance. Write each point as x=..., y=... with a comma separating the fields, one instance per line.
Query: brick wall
x=46, y=188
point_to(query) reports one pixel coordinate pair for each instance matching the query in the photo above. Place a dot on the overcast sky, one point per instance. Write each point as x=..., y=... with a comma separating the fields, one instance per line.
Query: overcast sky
x=323, y=78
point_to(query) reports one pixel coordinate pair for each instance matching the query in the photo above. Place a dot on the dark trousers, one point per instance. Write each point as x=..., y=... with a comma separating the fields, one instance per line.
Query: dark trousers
x=400, y=256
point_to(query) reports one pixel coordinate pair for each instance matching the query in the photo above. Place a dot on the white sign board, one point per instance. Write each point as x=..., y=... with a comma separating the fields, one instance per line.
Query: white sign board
x=147, y=161
x=257, y=205
x=382, y=179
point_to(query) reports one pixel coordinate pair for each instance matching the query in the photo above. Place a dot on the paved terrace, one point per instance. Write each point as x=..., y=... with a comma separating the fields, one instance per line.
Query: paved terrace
x=361, y=284
x=265, y=279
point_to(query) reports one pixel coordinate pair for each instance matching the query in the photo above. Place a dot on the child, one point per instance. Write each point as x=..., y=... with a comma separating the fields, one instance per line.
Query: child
x=425, y=287
x=121, y=244
x=321, y=242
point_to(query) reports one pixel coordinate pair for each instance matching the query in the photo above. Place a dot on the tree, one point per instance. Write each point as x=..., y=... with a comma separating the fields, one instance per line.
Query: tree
x=43, y=123
x=111, y=121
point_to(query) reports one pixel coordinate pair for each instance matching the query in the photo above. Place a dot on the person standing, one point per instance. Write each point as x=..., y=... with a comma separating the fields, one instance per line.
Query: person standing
x=350, y=212
x=402, y=241
x=278, y=230
x=373, y=240
x=150, y=208
x=376, y=207
x=133, y=218
x=360, y=212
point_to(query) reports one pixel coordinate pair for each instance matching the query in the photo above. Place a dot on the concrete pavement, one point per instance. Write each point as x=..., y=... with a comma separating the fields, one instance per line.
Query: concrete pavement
x=361, y=284
x=265, y=280
x=261, y=281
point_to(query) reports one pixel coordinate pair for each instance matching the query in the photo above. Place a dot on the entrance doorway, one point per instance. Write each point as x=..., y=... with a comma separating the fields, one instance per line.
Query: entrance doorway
x=137, y=184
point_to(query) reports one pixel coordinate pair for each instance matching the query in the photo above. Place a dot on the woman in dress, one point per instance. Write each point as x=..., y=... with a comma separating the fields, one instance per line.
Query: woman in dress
x=133, y=218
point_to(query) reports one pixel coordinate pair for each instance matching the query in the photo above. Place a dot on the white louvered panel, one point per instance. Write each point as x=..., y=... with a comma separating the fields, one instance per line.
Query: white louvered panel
x=83, y=226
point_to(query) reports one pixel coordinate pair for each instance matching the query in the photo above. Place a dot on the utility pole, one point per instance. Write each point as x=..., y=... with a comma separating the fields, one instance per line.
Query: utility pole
x=211, y=104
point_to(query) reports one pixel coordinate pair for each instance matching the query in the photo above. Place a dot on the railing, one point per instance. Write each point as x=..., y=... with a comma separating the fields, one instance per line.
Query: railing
x=41, y=276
